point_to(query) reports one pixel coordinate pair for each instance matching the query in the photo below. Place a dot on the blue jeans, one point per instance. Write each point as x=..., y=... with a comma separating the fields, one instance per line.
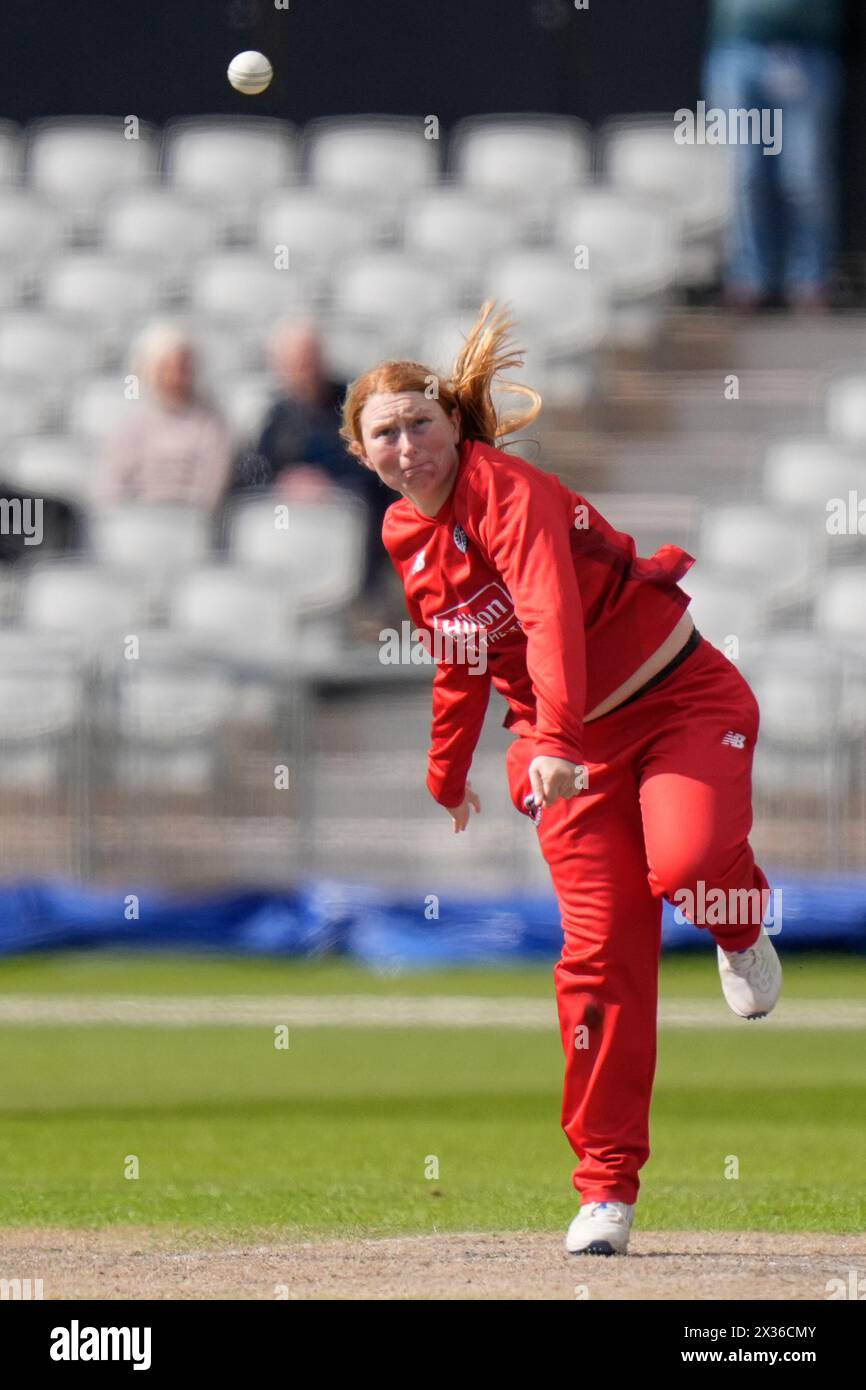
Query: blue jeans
x=783, y=233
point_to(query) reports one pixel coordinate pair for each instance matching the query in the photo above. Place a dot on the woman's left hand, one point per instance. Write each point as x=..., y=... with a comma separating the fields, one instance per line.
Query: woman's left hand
x=552, y=778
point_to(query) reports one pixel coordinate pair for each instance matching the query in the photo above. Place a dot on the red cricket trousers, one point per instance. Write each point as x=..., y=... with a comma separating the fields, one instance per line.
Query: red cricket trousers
x=668, y=804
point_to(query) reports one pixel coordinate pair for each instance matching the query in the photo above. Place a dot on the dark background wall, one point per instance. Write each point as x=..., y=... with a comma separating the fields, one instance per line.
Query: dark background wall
x=158, y=58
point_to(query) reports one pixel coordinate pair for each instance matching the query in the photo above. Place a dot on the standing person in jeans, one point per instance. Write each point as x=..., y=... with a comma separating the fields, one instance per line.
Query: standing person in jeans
x=785, y=55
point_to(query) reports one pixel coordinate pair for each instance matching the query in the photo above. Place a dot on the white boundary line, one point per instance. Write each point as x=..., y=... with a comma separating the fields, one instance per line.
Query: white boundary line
x=383, y=1011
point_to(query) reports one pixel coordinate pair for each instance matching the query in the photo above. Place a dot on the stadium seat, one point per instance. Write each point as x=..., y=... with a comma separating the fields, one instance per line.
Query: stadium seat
x=82, y=603
x=149, y=536
x=318, y=546
x=167, y=225
x=462, y=224
x=31, y=227
x=806, y=473
x=845, y=409
x=564, y=382
x=50, y=465
x=317, y=225
x=380, y=156
x=244, y=400
x=97, y=407
x=640, y=155
x=102, y=288
x=632, y=242
x=163, y=724
x=246, y=615
x=776, y=549
x=27, y=405
x=247, y=286
x=549, y=298
x=40, y=709
x=58, y=348
x=840, y=607
x=390, y=287
x=79, y=161
x=531, y=159
x=230, y=159
x=725, y=607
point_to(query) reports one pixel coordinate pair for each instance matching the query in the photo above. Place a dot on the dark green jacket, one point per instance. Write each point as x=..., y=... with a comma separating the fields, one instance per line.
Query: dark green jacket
x=780, y=21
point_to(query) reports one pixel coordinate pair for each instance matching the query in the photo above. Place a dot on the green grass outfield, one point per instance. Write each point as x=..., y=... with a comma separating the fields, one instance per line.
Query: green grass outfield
x=238, y=1139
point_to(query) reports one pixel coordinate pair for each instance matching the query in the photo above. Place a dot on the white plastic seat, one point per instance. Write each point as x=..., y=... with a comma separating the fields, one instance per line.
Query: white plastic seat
x=461, y=223
x=150, y=535
x=26, y=405
x=78, y=600
x=806, y=473
x=760, y=542
x=244, y=285
x=381, y=156
x=725, y=607
x=165, y=224
x=563, y=382
x=97, y=407
x=318, y=546
x=165, y=723
x=550, y=298
x=641, y=155
x=845, y=409
x=390, y=286
x=80, y=160
x=40, y=709
x=242, y=613
x=316, y=224
x=514, y=153
x=31, y=226
x=105, y=289
x=632, y=242
x=51, y=465
x=56, y=347
x=245, y=400
x=230, y=159
x=840, y=607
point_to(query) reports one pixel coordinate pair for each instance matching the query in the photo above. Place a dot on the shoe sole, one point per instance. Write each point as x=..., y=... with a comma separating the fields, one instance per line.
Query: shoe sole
x=597, y=1247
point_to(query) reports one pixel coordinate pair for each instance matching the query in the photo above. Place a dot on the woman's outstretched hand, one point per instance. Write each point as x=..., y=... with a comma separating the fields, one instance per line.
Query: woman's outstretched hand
x=460, y=814
x=552, y=778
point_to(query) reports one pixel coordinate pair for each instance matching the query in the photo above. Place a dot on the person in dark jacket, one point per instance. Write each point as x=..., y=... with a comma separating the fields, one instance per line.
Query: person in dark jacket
x=299, y=451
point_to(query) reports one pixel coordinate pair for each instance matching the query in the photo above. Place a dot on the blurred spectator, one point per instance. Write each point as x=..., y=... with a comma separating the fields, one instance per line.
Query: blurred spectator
x=174, y=447
x=785, y=55
x=301, y=454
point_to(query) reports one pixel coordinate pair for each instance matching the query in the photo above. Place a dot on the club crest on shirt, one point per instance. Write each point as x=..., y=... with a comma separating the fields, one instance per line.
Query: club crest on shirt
x=461, y=540
x=419, y=562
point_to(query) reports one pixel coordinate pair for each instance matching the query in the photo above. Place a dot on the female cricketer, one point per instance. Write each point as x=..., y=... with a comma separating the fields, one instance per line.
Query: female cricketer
x=635, y=735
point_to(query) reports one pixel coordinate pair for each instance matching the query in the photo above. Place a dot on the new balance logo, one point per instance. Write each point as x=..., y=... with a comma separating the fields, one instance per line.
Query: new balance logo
x=734, y=740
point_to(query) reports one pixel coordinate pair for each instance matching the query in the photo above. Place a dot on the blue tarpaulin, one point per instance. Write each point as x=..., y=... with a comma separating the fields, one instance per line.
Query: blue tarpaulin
x=376, y=926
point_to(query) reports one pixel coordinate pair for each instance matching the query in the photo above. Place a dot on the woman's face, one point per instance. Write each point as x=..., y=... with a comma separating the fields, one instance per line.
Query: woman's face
x=411, y=442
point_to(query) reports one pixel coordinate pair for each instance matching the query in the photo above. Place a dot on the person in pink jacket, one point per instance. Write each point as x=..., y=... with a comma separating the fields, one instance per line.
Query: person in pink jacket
x=635, y=735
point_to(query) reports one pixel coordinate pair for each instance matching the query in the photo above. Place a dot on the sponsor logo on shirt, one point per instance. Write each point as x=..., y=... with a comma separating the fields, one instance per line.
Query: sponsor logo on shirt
x=419, y=562
x=489, y=612
x=734, y=740
x=461, y=540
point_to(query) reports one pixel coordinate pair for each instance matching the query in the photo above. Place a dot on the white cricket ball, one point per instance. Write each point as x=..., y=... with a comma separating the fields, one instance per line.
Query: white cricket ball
x=250, y=72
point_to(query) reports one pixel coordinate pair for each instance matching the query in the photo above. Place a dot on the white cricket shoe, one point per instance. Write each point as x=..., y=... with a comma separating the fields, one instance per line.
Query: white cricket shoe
x=751, y=979
x=600, y=1228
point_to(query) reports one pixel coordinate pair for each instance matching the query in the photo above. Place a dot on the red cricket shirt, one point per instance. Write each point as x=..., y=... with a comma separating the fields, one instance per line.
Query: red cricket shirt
x=566, y=608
